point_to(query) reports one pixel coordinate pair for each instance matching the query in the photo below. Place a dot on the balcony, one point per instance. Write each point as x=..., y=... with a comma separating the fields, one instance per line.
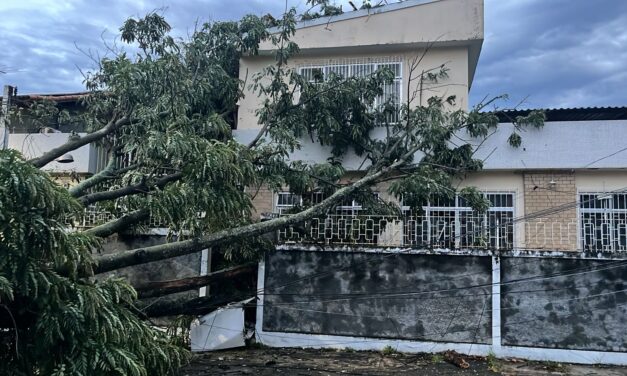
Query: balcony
x=468, y=231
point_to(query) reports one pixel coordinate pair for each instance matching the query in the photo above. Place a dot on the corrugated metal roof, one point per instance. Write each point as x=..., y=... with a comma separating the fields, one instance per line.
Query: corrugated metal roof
x=569, y=114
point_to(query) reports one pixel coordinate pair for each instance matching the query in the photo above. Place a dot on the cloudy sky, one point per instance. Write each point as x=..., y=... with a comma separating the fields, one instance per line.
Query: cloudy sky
x=551, y=53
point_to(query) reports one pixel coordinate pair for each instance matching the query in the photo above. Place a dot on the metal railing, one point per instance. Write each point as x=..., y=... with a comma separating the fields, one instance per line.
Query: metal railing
x=449, y=230
x=492, y=231
x=92, y=217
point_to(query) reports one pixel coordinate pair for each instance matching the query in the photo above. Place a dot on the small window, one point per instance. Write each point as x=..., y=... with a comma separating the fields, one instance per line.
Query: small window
x=286, y=201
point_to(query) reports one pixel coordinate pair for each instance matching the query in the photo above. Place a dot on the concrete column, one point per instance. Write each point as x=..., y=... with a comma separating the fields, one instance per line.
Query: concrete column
x=496, y=304
x=7, y=96
x=205, y=268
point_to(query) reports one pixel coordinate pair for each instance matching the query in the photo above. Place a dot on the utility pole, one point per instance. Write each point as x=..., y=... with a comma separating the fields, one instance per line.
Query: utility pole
x=7, y=97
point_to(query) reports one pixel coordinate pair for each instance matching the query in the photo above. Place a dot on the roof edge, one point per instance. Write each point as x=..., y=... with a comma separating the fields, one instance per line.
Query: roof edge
x=567, y=114
x=357, y=14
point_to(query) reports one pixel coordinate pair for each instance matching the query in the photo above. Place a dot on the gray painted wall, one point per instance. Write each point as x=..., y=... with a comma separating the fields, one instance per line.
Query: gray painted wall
x=345, y=301
x=546, y=302
x=582, y=310
x=175, y=268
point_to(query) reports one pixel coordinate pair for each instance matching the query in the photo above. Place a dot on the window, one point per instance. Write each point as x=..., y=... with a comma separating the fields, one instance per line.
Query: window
x=285, y=201
x=391, y=92
x=351, y=207
x=451, y=223
x=603, y=221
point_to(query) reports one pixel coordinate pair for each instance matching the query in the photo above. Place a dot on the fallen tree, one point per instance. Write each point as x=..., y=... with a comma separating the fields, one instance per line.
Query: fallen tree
x=165, y=116
x=161, y=288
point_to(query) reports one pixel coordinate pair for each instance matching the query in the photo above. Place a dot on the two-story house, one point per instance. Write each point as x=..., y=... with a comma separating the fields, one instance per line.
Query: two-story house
x=539, y=275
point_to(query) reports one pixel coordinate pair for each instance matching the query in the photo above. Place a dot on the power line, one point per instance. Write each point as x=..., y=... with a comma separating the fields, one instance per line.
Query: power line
x=611, y=265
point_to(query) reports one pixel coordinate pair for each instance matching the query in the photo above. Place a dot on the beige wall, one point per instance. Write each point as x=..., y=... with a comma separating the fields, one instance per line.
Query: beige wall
x=545, y=191
x=454, y=58
x=451, y=21
x=452, y=30
x=535, y=192
x=601, y=180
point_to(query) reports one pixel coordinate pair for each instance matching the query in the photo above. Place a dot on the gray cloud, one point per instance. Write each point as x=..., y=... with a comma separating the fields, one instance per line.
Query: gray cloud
x=557, y=53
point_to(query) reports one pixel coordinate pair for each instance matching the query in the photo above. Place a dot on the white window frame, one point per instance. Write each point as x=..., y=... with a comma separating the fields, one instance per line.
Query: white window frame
x=430, y=211
x=398, y=79
x=614, y=236
x=280, y=208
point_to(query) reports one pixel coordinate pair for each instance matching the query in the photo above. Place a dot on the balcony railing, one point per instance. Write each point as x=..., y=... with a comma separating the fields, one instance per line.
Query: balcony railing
x=461, y=230
x=92, y=217
x=492, y=231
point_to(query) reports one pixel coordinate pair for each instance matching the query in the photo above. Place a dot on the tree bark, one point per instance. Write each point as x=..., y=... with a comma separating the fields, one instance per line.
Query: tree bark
x=130, y=190
x=138, y=256
x=161, y=288
x=55, y=153
x=186, y=306
x=103, y=175
x=119, y=224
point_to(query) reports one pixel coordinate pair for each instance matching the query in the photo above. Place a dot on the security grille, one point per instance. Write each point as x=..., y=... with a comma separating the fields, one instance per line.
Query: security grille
x=363, y=68
x=451, y=223
x=603, y=221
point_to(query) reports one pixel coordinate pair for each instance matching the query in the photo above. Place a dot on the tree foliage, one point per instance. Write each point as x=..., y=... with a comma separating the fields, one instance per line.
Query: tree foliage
x=53, y=321
x=164, y=110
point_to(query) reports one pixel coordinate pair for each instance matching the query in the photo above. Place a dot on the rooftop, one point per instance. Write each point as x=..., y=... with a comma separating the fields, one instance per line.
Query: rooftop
x=569, y=114
x=358, y=13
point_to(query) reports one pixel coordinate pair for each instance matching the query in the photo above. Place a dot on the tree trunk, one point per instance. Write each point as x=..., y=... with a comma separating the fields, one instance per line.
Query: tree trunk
x=154, y=289
x=145, y=255
x=187, y=306
x=53, y=154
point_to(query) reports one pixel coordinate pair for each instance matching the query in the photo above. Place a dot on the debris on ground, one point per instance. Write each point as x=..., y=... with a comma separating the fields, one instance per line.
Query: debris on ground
x=307, y=362
x=456, y=358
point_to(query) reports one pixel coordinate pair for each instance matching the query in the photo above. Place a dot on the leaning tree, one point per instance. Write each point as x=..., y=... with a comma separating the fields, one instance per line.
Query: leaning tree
x=166, y=108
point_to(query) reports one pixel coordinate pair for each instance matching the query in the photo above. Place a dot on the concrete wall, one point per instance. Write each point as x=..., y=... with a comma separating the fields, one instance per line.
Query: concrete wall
x=544, y=305
x=412, y=22
x=175, y=268
x=582, y=311
x=340, y=300
x=558, y=145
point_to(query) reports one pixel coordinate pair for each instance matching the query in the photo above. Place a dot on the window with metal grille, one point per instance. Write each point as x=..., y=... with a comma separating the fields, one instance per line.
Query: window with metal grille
x=451, y=223
x=285, y=201
x=603, y=221
x=352, y=207
x=354, y=68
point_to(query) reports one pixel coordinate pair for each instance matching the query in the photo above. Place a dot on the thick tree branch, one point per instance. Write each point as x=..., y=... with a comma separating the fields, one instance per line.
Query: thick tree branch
x=154, y=289
x=184, y=305
x=74, y=144
x=142, y=187
x=119, y=224
x=138, y=256
x=103, y=175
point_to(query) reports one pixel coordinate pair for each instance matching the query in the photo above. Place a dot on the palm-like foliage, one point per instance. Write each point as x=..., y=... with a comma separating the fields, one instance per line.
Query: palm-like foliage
x=53, y=319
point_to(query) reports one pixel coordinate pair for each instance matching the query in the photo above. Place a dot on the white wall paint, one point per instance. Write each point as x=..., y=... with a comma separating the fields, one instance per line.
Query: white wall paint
x=559, y=145
x=33, y=145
